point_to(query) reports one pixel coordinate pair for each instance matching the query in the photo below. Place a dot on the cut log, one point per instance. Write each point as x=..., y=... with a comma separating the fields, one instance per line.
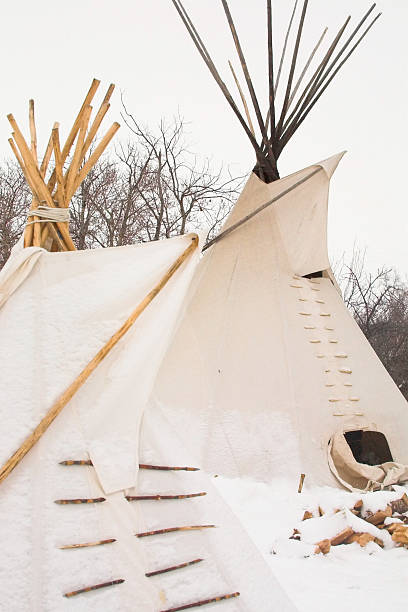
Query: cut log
x=323, y=547
x=378, y=517
x=365, y=538
x=392, y=527
x=400, y=535
x=356, y=509
x=352, y=538
x=295, y=535
x=341, y=537
x=400, y=505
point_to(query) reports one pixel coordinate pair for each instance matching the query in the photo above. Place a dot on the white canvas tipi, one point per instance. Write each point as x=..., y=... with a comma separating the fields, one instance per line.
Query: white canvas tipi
x=268, y=369
x=243, y=362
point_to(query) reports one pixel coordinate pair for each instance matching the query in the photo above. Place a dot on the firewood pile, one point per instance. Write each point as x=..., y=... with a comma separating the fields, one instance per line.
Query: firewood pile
x=393, y=520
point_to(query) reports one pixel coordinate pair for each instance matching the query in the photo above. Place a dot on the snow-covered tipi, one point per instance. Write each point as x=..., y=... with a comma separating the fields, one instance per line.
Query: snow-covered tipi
x=126, y=368
x=268, y=374
x=97, y=512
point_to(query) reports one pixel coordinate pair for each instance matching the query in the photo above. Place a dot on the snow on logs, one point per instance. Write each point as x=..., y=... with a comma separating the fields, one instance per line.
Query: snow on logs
x=362, y=528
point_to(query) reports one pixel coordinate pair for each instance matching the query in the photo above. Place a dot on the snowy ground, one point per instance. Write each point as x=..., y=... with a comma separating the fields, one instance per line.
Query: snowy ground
x=349, y=577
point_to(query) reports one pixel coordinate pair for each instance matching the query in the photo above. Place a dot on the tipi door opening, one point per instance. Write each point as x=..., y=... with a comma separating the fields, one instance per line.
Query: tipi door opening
x=368, y=447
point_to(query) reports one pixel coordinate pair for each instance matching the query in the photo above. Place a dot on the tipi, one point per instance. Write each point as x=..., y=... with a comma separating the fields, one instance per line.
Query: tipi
x=243, y=362
x=96, y=514
x=268, y=372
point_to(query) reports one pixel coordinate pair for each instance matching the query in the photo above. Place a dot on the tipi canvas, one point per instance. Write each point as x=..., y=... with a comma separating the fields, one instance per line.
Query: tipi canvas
x=77, y=512
x=268, y=368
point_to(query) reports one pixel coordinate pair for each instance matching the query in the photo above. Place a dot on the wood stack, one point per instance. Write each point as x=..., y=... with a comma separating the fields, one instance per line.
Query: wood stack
x=51, y=197
x=398, y=529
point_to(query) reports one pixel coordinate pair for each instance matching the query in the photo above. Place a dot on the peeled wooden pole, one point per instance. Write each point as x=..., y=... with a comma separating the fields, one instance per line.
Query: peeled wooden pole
x=33, y=135
x=63, y=400
x=40, y=189
x=91, y=161
x=75, y=128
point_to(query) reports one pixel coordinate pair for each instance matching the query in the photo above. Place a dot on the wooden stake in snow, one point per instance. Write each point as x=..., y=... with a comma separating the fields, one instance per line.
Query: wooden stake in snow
x=63, y=400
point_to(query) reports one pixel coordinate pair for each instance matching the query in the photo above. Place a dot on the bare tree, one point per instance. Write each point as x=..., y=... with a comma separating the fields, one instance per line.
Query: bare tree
x=179, y=192
x=14, y=203
x=379, y=303
x=151, y=188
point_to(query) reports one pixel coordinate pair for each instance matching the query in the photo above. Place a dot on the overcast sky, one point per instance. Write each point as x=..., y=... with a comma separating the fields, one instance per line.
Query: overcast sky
x=51, y=51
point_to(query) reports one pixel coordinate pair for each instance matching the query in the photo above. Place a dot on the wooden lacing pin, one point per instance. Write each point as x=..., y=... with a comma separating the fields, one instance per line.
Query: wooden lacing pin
x=345, y=371
x=341, y=355
x=320, y=301
x=315, y=341
x=320, y=355
x=303, y=299
x=203, y=602
x=76, y=462
x=325, y=314
x=172, y=568
x=142, y=466
x=296, y=286
x=94, y=587
x=305, y=314
x=86, y=544
x=94, y=500
x=314, y=289
x=334, y=399
x=333, y=341
x=354, y=399
x=301, y=481
x=329, y=385
x=144, y=534
x=159, y=497
x=309, y=327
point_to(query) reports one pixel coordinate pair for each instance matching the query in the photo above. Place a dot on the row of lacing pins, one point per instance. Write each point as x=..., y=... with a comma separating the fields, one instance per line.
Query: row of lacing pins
x=132, y=498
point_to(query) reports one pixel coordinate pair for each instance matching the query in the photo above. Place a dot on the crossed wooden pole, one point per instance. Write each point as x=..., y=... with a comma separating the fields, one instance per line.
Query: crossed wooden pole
x=70, y=391
x=63, y=182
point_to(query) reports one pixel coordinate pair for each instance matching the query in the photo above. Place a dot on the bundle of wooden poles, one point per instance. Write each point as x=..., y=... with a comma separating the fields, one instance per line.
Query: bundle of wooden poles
x=49, y=228
x=277, y=126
